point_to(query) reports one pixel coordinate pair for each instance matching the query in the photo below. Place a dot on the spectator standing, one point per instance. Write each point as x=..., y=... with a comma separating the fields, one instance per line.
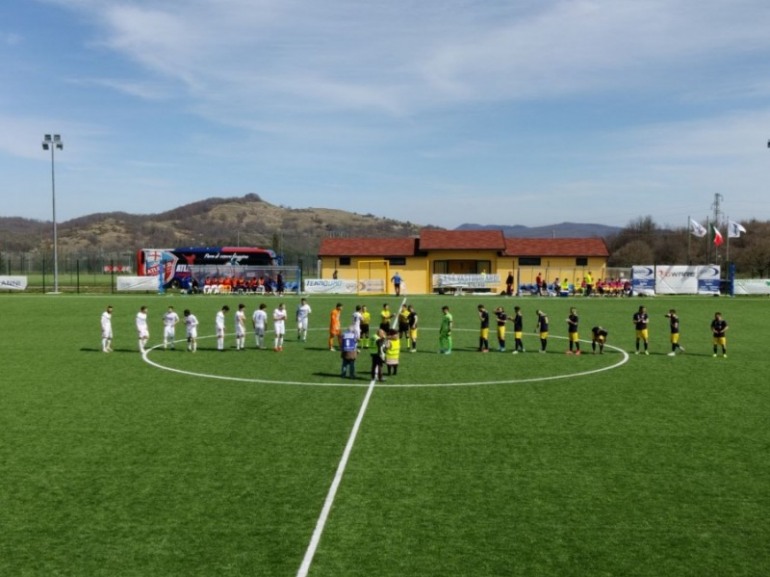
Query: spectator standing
x=396, y=280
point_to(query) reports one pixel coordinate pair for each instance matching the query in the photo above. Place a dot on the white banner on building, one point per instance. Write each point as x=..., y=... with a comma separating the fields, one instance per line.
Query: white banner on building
x=330, y=286
x=13, y=283
x=137, y=283
x=470, y=281
x=675, y=280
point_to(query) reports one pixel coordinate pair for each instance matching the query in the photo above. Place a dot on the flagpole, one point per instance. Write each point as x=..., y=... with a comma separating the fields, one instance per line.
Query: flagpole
x=727, y=249
x=708, y=242
x=689, y=234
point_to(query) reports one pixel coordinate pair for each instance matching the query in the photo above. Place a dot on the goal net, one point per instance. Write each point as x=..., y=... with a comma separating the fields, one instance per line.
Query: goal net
x=373, y=277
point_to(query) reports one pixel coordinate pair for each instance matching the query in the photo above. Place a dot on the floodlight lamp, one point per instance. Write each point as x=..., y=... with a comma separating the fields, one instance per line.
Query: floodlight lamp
x=57, y=137
x=45, y=146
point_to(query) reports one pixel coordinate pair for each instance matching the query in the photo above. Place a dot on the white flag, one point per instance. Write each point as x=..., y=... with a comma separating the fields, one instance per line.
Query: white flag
x=697, y=229
x=734, y=229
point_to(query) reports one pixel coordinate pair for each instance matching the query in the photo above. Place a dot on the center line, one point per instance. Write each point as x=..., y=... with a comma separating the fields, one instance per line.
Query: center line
x=321, y=523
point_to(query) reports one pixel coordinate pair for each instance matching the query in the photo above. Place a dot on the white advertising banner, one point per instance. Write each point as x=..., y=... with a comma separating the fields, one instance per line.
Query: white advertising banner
x=13, y=283
x=330, y=286
x=708, y=280
x=754, y=286
x=137, y=283
x=471, y=281
x=675, y=280
x=643, y=280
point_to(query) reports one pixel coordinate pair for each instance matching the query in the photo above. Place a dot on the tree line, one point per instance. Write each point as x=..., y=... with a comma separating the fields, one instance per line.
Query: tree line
x=642, y=241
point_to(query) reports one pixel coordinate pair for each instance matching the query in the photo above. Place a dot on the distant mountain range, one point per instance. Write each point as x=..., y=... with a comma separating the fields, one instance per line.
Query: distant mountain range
x=243, y=221
x=561, y=230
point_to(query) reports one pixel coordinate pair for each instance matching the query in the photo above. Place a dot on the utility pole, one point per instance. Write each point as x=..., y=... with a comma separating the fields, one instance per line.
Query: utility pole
x=716, y=206
x=718, y=198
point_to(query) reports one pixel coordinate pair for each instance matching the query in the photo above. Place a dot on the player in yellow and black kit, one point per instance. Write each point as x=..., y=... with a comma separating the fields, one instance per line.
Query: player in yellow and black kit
x=403, y=323
x=501, y=318
x=542, y=328
x=484, y=330
x=641, y=319
x=572, y=331
x=386, y=315
x=598, y=337
x=719, y=332
x=413, y=322
x=518, y=330
x=366, y=320
x=673, y=321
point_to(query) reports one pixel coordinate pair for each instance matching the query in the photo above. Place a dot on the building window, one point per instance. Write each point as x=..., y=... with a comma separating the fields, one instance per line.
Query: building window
x=529, y=261
x=397, y=261
x=581, y=261
x=461, y=266
x=344, y=261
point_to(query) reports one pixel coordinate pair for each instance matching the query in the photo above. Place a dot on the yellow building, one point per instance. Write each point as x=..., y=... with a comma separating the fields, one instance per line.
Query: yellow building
x=467, y=259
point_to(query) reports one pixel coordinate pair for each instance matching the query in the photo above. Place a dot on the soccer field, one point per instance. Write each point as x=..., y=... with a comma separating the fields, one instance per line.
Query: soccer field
x=239, y=463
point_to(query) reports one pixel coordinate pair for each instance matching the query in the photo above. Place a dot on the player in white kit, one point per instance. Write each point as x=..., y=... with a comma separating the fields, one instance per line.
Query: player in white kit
x=170, y=319
x=259, y=322
x=279, y=325
x=142, y=330
x=107, y=330
x=303, y=315
x=219, y=326
x=358, y=317
x=240, y=328
x=191, y=324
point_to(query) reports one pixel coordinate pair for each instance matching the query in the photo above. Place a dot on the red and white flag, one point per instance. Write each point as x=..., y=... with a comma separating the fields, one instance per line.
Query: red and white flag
x=718, y=240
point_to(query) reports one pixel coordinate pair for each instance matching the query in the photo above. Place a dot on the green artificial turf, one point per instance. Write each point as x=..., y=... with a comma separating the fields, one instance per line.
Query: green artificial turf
x=609, y=464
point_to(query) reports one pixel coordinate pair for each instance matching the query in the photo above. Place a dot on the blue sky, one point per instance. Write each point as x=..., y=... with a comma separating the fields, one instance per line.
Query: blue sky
x=438, y=112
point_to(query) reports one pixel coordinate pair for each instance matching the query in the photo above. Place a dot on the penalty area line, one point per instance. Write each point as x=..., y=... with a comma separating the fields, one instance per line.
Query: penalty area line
x=304, y=568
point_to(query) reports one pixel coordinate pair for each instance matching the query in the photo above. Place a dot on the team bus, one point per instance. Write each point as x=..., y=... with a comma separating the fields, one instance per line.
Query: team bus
x=178, y=266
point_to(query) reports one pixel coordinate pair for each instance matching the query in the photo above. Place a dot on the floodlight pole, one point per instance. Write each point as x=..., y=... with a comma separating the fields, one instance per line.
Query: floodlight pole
x=52, y=143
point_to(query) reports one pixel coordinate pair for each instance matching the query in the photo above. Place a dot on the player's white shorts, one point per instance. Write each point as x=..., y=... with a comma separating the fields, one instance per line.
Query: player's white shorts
x=169, y=332
x=143, y=333
x=302, y=324
x=259, y=331
x=192, y=333
x=240, y=331
x=280, y=328
x=107, y=333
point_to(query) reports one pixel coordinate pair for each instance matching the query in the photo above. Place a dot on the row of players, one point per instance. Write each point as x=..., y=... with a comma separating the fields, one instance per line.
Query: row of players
x=171, y=319
x=407, y=328
x=599, y=334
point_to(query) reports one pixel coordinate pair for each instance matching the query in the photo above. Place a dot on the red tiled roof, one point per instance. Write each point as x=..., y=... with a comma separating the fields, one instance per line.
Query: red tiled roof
x=367, y=246
x=556, y=247
x=432, y=239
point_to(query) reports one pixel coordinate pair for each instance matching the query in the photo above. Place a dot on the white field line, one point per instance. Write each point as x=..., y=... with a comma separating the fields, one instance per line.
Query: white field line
x=321, y=523
x=624, y=358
